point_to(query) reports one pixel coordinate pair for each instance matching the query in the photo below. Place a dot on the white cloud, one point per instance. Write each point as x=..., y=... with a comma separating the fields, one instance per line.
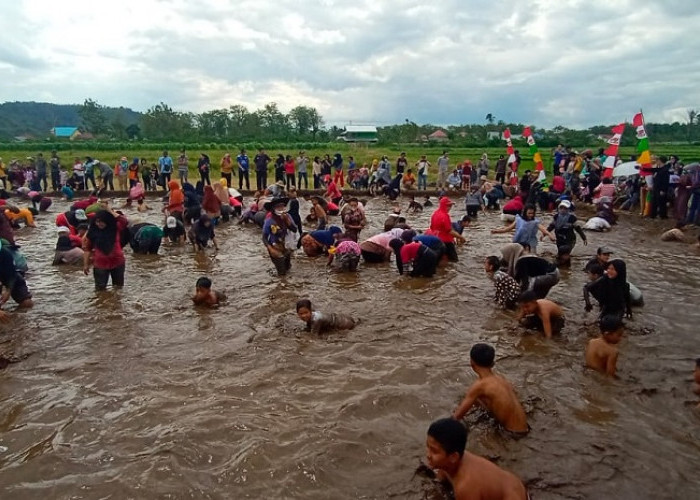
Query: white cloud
x=544, y=62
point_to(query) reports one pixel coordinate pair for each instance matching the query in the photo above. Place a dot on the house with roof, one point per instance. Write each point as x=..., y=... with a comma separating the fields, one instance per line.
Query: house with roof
x=491, y=135
x=438, y=136
x=359, y=133
x=63, y=132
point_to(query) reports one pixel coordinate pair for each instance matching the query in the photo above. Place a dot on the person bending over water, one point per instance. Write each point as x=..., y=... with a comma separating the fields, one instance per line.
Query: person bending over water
x=507, y=289
x=540, y=314
x=493, y=392
x=471, y=476
x=205, y=296
x=419, y=258
x=611, y=291
x=601, y=352
x=318, y=322
x=11, y=281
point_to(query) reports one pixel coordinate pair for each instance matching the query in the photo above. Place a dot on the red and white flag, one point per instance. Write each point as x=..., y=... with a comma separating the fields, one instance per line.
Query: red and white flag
x=611, y=151
x=509, y=146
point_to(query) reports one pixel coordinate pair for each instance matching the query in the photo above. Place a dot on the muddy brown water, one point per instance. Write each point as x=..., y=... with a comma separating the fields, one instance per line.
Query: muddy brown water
x=136, y=394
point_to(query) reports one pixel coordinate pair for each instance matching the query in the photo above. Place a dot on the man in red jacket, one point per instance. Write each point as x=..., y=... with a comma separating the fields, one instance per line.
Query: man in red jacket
x=441, y=226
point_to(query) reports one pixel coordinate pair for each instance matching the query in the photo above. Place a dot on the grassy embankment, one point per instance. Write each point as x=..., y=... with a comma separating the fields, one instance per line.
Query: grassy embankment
x=362, y=154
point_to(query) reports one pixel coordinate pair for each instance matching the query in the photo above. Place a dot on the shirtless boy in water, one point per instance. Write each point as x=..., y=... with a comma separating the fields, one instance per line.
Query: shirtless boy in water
x=493, y=392
x=601, y=352
x=540, y=314
x=472, y=477
x=205, y=296
x=318, y=322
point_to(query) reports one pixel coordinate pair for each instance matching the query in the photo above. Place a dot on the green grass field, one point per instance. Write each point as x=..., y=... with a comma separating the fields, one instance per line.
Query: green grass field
x=362, y=154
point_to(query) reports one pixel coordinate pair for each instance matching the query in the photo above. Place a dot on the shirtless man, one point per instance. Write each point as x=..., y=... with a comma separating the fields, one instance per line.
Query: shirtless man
x=205, y=296
x=601, y=352
x=318, y=322
x=472, y=477
x=540, y=314
x=493, y=392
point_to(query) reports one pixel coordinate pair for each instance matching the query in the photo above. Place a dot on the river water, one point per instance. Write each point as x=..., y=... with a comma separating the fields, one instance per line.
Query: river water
x=136, y=394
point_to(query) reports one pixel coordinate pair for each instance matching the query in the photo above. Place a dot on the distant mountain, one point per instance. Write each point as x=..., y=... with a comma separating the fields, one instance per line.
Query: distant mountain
x=37, y=118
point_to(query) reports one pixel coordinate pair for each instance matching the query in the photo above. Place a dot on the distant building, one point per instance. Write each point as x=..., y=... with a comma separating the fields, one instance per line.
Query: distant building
x=24, y=137
x=438, y=136
x=492, y=135
x=63, y=132
x=81, y=136
x=358, y=133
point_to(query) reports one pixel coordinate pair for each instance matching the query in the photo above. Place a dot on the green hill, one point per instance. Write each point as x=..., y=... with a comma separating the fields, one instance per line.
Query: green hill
x=37, y=118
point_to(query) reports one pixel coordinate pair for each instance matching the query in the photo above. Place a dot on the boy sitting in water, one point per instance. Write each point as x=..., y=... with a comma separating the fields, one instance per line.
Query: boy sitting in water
x=471, y=476
x=205, y=296
x=318, y=322
x=493, y=392
x=540, y=314
x=601, y=353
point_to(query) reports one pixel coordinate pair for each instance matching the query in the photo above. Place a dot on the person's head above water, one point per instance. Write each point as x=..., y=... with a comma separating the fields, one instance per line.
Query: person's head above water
x=617, y=269
x=529, y=212
x=611, y=328
x=304, y=310
x=204, y=283
x=482, y=355
x=528, y=301
x=445, y=445
x=492, y=264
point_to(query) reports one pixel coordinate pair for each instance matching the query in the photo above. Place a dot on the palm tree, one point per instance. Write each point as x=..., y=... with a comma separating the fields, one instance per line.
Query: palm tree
x=490, y=118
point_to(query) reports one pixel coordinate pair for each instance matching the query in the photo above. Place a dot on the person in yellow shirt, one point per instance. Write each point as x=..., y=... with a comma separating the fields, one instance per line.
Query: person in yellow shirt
x=16, y=215
x=227, y=168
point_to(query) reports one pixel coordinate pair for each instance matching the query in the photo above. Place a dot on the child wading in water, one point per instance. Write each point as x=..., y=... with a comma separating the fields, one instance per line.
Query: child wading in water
x=205, y=296
x=318, y=322
x=493, y=392
x=471, y=476
x=540, y=314
x=601, y=352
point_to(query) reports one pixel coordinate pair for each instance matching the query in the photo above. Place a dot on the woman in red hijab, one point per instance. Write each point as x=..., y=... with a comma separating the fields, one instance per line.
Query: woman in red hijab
x=211, y=203
x=176, y=202
x=441, y=226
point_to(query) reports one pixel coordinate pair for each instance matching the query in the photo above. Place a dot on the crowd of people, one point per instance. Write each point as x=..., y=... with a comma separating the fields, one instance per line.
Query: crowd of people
x=93, y=234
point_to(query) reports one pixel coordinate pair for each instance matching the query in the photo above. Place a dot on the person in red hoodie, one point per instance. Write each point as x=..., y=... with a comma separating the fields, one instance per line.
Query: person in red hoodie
x=102, y=246
x=332, y=191
x=441, y=226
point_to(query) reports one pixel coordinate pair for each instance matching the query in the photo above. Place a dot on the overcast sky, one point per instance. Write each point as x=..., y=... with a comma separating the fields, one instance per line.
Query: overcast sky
x=540, y=62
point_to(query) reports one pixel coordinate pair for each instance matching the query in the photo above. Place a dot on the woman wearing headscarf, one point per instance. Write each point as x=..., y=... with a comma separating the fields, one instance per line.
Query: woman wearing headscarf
x=565, y=228
x=211, y=204
x=222, y=194
x=612, y=291
x=376, y=249
x=176, y=200
x=338, y=178
x=201, y=232
x=193, y=204
x=103, y=248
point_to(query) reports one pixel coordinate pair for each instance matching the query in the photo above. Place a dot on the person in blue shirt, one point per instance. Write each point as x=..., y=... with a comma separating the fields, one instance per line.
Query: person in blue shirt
x=460, y=224
x=165, y=168
x=243, y=169
x=275, y=229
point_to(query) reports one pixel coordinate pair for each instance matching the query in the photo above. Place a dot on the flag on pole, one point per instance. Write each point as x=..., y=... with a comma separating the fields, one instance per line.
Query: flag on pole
x=643, y=157
x=534, y=151
x=611, y=151
x=509, y=146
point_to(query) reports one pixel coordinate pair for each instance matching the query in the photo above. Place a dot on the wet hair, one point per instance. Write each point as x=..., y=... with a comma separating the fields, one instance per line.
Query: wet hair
x=527, y=296
x=482, y=355
x=465, y=218
x=595, y=268
x=609, y=323
x=303, y=304
x=494, y=262
x=529, y=207
x=203, y=282
x=451, y=434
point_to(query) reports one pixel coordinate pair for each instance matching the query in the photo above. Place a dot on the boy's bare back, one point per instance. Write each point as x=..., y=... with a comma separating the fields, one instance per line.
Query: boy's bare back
x=601, y=356
x=497, y=395
x=479, y=479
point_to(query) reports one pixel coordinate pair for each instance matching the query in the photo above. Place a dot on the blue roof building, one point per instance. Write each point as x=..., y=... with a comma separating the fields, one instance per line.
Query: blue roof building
x=63, y=131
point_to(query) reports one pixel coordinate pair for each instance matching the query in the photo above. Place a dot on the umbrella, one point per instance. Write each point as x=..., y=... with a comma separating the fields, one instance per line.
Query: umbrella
x=691, y=167
x=626, y=169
